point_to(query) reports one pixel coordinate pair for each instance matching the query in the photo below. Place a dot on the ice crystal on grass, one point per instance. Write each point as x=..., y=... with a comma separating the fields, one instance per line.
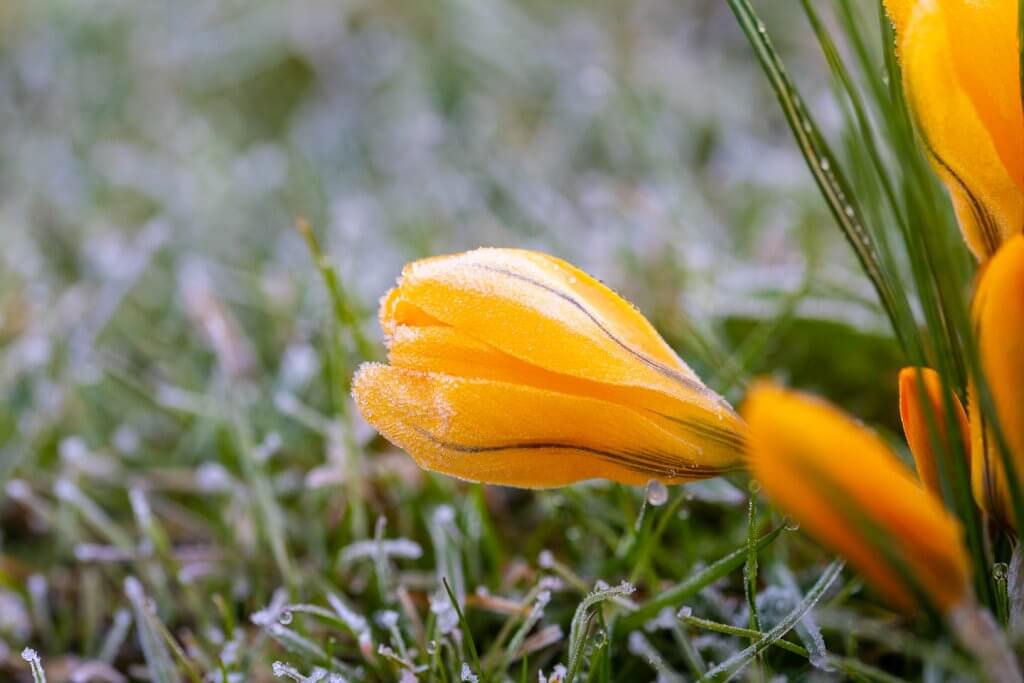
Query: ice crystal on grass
x=641, y=647
x=444, y=612
x=317, y=675
x=36, y=665
x=401, y=548
x=558, y=675
x=269, y=614
x=15, y=621
x=466, y=674
x=356, y=622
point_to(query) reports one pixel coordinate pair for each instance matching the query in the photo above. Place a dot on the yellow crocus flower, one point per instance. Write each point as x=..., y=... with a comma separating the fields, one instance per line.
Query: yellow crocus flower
x=998, y=313
x=849, y=490
x=918, y=412
x=961, y=73
x=513, y=367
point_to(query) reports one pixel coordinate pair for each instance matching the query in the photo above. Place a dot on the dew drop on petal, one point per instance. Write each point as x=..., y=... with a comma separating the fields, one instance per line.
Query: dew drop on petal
x=657, y=493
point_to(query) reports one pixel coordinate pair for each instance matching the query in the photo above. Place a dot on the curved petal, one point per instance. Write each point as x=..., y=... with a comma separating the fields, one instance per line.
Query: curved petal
x=998, y=312
x=983, y=40
x=551, y=315
x=841, y=482
x=503, y=433
x=449, y=351
x=917, y=412
x=987, y=193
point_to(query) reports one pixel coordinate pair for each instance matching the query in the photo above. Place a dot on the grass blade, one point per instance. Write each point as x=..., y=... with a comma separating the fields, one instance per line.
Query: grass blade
x=695, y=583
x=735, y=664
x=825, y=169
x=158, y=658
x=582, y=621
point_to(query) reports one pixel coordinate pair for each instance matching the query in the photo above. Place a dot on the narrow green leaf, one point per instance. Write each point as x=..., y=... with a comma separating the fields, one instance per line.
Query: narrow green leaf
x=582, y=621
x=466, y=632
x=826, y=171
x=736, y=663
x=695, y=583
x=154, y=649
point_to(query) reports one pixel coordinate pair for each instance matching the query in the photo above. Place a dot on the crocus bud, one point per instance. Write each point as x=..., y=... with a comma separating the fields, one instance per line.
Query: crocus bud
x=998, y=313
x=850, y=491
x=921, y=414
x=513, y=367
x=961, y=73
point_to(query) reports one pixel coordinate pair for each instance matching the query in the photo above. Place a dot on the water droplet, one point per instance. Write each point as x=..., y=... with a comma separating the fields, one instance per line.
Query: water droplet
x=684, y=612
x=754, y=487
x=999, y=571
x=790, y=524
x=284, y=617
x=824, y=165
x=657, y=493
x=599, y=638
x=760, y=27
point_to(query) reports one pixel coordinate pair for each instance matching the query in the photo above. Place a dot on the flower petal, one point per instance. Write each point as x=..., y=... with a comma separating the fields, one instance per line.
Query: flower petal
x=917, y=413
x=836, y=477
x=983, y=40
x=449, y=351
x=979, y=164
x=551, y=315
x=998, y=312
x=517, y=435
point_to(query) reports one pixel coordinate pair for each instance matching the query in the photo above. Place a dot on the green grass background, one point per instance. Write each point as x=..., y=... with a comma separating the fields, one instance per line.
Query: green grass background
x=177, y=443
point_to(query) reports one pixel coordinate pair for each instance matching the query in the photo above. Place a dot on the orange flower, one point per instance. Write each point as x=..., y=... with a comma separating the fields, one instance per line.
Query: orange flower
x=513, y=367
x=918, y=416
x=848, y=489
x=998, y=313
x=961, y=73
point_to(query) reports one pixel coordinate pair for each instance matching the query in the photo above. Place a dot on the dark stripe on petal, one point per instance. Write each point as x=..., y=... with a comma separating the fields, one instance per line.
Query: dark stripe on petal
x=982, y=216
x=644, y=462
x=707, y=430
x=661, y=368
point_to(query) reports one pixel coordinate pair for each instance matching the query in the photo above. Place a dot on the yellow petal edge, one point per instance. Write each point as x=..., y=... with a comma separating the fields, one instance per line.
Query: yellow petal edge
x=962, y=79
x=840, y=481
x=918, y=413
x=998, y=313
x=513, y=367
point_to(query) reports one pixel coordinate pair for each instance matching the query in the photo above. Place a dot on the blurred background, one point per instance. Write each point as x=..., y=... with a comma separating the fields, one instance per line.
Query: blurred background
x=154, y=157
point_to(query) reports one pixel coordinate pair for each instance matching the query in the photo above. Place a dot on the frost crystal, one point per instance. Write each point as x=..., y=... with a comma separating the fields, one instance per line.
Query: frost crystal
x=269, y=614
x=467, y=674
x=355, y=621
x=546, y=559
x=402, y=548
x=447, y=617
x=386, y=619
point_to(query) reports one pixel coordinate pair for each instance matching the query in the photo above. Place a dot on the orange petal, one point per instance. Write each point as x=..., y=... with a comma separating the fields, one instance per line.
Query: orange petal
x=451, y=352
x=983, y=40
x=968, y=110
x=836, y=477
x=998, y=313
x=551, y=315
x=516, y=435
x=899, y=12
x=918, y=412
